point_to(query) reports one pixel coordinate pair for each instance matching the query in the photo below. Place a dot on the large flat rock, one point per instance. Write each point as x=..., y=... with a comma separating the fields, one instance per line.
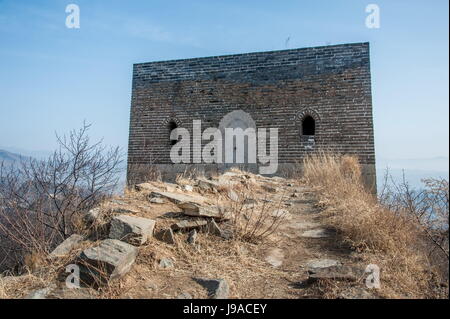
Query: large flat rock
x=196, y=210
x=131, y=229
x=110, y=260
x=62, y=293
x=66, y=246
x=322, y=263
x=344, y=273
x=146, y=187
x=189, y=224
x=178, y=197
x=207, y=185
x=166, y=235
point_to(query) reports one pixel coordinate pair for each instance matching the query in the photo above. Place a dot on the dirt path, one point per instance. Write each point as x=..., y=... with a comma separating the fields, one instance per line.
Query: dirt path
x=308, y=243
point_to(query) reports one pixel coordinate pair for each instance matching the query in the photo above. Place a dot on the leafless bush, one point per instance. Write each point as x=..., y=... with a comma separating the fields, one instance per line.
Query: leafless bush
x=429, y=206
x=253, y=221
x=189, y=176
x=41, y=201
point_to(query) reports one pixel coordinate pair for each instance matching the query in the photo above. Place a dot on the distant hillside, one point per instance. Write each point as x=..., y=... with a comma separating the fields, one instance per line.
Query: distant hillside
x=10, y=158
x=414, y=170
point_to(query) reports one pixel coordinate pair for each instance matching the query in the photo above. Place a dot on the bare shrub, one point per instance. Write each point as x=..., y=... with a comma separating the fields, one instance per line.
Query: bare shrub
x=429, y=207
x=189, y=176
x=41, y=200
x=253, y=222
x=391, y=238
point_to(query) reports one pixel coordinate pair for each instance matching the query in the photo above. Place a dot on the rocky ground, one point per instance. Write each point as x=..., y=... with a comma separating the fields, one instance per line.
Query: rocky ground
x=237, y=235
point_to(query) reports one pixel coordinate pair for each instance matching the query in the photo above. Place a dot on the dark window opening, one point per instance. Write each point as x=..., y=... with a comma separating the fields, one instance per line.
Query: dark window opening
x=172, y=126
x=308, y=126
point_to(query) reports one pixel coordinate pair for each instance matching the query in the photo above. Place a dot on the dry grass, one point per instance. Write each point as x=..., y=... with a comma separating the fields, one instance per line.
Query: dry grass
x=390, y=240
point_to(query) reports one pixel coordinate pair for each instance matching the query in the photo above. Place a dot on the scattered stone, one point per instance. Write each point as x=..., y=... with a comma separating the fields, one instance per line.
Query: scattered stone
x=281, y=213
x=295, y=195
x=184, y=295
x=277, y=178
x=156, y=200
x=178, y=198
x=346, y=273
x=151, y=286
x=123, y=211
x=189, y=224
x=154, y=195
x=275, y=257
x=192, y=237
x=109, y=260
x=217, y=288
x=66, y=246
x=72, y=293
x=250, y=201
x=227, y=234
x=145, y=187
x=195, y=210
x=207, y=185
x=131, y=229
x=118, y=202
x=166, y=235
x=233, y=196
x=322, y=263
x=53, y=292
x=290, y=184
x=94, y=216
x=356, y=293
x=269, y=189
x=170, y=187
x=166, y=263
x=39, y=293
x=315, y=233
x=213, y=228
x=188, y=188
x=230, y=174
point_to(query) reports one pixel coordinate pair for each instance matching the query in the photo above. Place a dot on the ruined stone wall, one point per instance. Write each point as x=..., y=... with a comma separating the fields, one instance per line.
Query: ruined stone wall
x=278, y=89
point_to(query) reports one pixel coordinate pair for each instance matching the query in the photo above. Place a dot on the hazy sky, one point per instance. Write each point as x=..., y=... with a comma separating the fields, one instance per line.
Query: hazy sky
x=52, y=77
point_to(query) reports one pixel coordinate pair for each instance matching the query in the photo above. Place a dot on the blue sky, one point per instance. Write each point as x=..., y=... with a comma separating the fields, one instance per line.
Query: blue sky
x=52, y=78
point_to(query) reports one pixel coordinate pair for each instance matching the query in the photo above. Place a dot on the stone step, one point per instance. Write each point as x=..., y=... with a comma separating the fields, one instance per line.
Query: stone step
x=110, y=260
x=131, y=229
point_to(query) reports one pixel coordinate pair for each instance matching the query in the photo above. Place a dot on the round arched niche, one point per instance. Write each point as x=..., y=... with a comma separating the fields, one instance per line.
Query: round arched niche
x=172, y=119
x=171, y=123
x=312, y=118
x=235, y=119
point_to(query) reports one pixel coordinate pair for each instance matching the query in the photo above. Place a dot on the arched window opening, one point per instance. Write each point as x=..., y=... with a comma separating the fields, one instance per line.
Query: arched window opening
x=308, y=126
x=172, y=125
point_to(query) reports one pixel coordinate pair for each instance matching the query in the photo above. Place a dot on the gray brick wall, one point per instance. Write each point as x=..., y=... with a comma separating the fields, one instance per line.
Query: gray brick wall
x=277, y=88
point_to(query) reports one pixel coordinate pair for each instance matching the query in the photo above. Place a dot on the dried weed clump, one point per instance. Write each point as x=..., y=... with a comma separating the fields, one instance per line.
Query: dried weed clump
x=391, y=239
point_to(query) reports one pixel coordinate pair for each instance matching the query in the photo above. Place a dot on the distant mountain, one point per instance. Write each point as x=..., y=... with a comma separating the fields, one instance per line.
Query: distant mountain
x=27, y=153
x=10, y=158
x=436, y=164
x=413, y=170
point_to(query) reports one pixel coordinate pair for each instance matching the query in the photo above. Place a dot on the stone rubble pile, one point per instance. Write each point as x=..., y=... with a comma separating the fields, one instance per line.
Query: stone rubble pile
x=112, y=257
